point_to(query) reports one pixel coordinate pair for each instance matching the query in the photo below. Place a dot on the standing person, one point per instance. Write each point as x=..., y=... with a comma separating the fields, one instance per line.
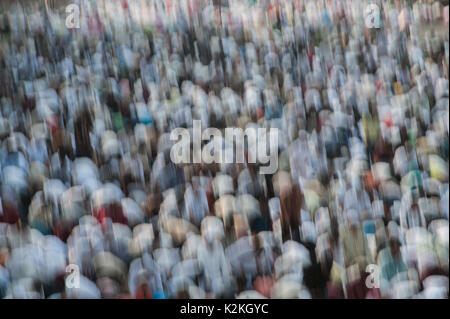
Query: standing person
x=82, y=127
x=291, y=201
x=196, y=202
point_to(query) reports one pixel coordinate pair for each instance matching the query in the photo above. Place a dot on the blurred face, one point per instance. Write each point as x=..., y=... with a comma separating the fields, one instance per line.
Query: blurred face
x=4, y=253
x=394, y=247
x=209, y=238
x=195, y=186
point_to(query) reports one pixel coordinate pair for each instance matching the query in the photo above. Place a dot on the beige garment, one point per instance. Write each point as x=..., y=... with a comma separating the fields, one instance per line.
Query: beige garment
x=354, y=245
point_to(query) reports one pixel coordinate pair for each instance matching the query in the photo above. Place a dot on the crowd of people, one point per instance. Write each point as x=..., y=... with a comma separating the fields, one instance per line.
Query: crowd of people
x=359, y=204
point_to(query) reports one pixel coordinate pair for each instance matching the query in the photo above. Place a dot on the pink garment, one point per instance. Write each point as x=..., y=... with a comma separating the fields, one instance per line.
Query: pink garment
x=113, y=211
x=263, y=285
x=335, y=291
x=445, y=15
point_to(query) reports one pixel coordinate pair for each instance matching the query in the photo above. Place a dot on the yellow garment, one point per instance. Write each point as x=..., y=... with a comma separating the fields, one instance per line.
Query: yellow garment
x=354, y=245
x=312, y=200
x=371, y=128
x=336, y=273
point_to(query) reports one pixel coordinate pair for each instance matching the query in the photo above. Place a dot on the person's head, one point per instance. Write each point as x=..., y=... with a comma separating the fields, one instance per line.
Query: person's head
x=394, y=246
x=4, y=254
x=209, y=238
x=195, y=182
